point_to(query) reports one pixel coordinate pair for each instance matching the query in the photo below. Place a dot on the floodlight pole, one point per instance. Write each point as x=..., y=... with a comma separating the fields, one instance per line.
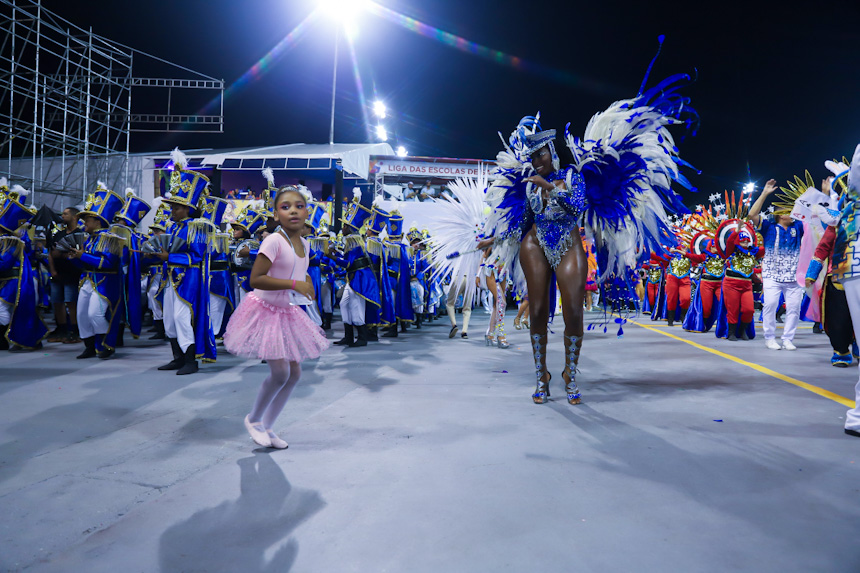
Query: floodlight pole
x=334, y=83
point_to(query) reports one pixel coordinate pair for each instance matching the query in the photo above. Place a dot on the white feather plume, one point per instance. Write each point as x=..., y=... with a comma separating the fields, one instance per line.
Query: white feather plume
x=130, y=192
x=356, y=194
x=179, y=159
x=101, y=185
x=456, y=233
x=4, y=182
x=269, y=175
x=306, y=193
x=20, y=191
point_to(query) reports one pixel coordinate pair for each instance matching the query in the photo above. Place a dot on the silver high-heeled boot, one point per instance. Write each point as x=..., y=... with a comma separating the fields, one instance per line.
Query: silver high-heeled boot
x=572, y=346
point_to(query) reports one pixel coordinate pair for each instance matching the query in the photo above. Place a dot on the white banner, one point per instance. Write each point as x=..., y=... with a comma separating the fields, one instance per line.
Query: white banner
x=425, y=169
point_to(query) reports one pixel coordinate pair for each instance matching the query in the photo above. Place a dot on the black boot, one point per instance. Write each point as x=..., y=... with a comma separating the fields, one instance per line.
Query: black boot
x=119, y=339
x=89, y=348
x=683, y=315
x=158, y=328
x=742, y=330
x=372, y=334
x=391, y=332
x=670, y=314
x=4, y=344
x=418, y=321
x=104, y=353
x=362, y=337
x=178, y=358
x=402, y=326
x=348, y=336
x=190, y=365
x=732, y=332
x=326, y=325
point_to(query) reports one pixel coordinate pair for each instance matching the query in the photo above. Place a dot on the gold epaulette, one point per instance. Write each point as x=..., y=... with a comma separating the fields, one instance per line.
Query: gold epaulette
x=122, y=231
x=318, y=243
x=375, y=247
x=221, y=243
x=352, y=241
x=14, y=244
x=110, y=243
x=201, y=231
x=393, y=250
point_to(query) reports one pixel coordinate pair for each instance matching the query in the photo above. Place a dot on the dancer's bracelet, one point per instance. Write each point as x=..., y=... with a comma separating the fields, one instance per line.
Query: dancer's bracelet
x=294, y=284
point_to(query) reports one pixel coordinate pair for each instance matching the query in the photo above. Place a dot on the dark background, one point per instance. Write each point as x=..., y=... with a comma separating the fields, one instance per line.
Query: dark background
x=777, y=83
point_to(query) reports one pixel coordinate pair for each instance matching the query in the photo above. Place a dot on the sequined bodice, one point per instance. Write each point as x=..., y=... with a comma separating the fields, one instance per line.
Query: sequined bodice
x=655, y=274
x=559, y=218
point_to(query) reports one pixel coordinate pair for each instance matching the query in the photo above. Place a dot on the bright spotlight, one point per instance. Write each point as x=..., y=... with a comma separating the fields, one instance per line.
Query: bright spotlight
x=401, y=151
x=381, y=133
x=379, y=109
x=749, y=188
x=343, y=10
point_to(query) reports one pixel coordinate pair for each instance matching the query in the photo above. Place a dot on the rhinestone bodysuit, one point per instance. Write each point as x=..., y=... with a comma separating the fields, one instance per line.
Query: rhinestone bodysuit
x=559, y=218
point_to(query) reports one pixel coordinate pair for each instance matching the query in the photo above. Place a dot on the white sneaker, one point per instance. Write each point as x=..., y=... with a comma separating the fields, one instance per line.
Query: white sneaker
x=788, y=345
x=772, y=344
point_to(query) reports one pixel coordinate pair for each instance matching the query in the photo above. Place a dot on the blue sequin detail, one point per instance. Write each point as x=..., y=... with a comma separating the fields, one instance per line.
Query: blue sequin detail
x=559, y=219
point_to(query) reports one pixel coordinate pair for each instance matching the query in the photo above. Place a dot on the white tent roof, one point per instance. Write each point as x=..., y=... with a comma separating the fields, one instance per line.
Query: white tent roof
x=355, y=157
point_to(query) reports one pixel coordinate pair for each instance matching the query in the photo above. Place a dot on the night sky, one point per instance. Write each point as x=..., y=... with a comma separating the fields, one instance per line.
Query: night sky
x=776, y=85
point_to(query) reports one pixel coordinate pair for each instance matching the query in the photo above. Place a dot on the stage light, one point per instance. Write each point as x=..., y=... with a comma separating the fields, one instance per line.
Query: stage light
x=343, y=10
x=381, y=133
x=749, y=188
x=401, y=151
x=379, y=109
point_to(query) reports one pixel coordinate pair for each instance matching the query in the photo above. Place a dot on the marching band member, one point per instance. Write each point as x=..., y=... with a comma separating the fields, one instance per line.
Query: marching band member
x=186, y=293
x=100, y=294
x=20, y=323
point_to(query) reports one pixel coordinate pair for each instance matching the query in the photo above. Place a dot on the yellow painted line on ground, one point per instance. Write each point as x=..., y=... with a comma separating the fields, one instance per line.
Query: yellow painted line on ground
x=814, y=389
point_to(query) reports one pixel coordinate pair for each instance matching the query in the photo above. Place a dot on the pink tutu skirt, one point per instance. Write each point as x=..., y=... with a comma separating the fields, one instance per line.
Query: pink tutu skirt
x=258, y=329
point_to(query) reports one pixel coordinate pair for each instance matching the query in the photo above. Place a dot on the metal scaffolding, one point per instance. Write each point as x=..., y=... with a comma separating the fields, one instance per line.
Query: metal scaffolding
x=66, y=103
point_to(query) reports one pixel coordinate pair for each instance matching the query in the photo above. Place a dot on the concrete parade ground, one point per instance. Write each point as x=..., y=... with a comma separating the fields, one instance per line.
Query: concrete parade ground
x=426, y=454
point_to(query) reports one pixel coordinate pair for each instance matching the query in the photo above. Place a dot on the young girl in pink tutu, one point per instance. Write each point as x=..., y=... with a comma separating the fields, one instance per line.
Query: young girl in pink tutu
x=270, y=323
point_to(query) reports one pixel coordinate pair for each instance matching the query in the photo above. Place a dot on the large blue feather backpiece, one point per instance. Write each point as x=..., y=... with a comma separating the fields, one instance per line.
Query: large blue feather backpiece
x=629, y=161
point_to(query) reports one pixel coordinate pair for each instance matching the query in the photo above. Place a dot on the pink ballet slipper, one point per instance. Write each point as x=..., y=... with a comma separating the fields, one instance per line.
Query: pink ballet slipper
x=258, y=434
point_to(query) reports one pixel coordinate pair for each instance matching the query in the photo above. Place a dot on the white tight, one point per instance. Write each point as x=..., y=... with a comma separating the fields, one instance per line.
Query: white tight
x=275, y=392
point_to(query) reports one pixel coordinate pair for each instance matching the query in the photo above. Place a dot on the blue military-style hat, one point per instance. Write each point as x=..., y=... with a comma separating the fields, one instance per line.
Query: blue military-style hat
x=103, y=204
x=186, y=187
x=359, y=210
x=378, y=219
x=316, y=213
x=249, y=219
x=395, y=226
x=13, y=213
x=213, y=209
x=134, y=210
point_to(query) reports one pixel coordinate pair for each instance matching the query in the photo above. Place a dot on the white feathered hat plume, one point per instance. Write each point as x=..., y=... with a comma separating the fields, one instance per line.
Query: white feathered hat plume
x=356, y=193
x=179, y=159
x=4, y=182
x=269, y=175
x=306, y=193
x=20, y=191
x=129, y=192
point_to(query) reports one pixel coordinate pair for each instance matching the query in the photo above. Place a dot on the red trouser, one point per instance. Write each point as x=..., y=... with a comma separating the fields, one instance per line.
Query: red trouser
x=709, y=290
x=739, y=299
x=653, y=291
x=674, y=288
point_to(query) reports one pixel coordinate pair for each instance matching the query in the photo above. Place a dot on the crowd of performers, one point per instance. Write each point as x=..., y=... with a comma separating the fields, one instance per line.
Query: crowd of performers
x=190, y=274
x=532, y=228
